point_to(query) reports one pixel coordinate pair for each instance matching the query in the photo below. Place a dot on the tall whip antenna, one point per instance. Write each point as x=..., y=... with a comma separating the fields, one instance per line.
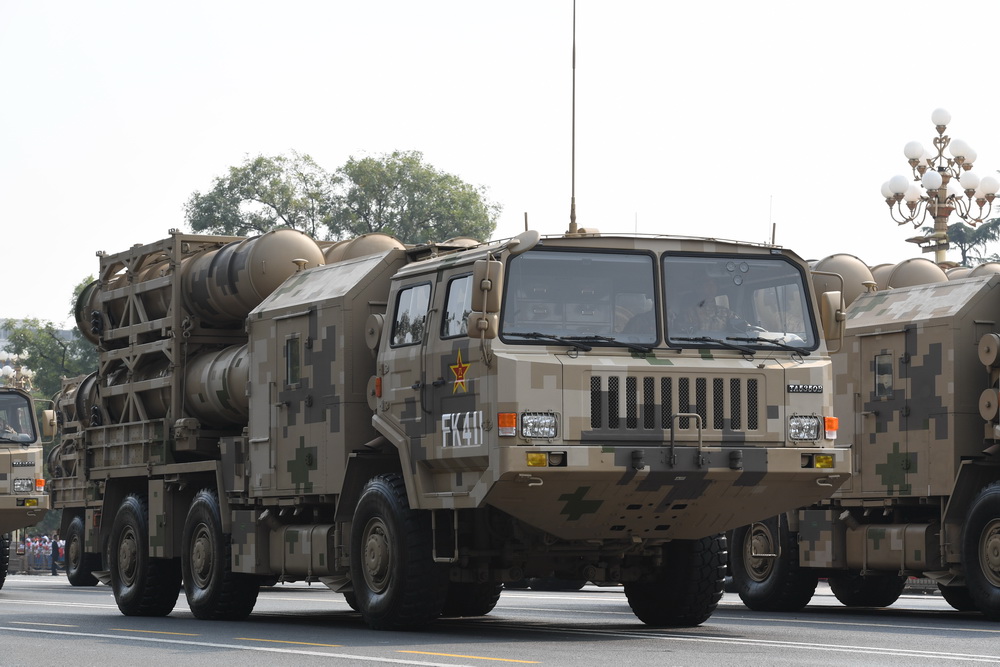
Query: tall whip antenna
x=572, y=197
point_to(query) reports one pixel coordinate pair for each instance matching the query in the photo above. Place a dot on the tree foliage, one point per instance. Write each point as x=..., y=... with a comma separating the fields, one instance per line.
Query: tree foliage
x=262, y=194
x=400, y=195
x=972, y=241
x=49, y=353
x=397, y=194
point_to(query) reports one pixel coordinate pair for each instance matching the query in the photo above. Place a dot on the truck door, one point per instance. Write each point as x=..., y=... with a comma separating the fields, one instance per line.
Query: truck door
x=455, y=376
x=298, y=426
x=405, y=377
x=890, y=432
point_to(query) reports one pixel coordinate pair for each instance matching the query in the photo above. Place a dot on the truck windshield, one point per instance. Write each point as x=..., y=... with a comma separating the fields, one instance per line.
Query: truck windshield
x=748, y=301
x=597, y=298
x=16, y=424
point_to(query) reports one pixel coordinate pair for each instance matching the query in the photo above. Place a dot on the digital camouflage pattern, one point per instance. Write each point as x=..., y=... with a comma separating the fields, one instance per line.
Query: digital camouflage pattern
x=351, y=367
x=909, y=382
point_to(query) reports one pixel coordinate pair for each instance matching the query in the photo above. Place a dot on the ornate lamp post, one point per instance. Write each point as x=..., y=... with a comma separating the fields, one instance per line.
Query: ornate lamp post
x=941, y=185
x=13, y=374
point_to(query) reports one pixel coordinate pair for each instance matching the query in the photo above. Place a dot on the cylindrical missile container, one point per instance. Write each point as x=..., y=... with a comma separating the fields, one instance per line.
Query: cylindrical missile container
x=222, y=286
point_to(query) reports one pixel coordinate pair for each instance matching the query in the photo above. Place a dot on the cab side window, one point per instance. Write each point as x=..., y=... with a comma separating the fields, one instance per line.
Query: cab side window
x=458, y=305
x=411, y=315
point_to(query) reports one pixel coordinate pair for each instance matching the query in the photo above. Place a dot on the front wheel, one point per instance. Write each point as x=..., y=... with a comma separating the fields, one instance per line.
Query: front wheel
x=143, y=586
x=981, y=551
x=397, y=584
x=958, y=597
x=765, y=565
x=471, y=599
x=213, y=590
x=872, y=590
x=688, y=587
x=80, y=565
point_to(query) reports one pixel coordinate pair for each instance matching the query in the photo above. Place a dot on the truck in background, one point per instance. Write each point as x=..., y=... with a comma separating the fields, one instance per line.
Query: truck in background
x=917, y=394
x=23, y=500
x=415, y=426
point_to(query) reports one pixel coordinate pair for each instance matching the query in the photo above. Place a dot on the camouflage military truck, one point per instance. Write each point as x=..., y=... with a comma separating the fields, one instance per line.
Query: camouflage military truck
x=917, y=383
x=415, y=426
x=23, y=501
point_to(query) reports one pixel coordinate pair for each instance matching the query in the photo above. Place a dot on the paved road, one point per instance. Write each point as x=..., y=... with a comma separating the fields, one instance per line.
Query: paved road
x=44, y=621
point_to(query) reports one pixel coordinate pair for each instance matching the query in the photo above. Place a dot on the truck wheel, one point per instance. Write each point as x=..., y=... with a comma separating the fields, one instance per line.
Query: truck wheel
x=352, y=600
x=4, y=557
x=958, y=597
x=689, y=585
x=143, y=586
x=981, y=551
x=872, y=590
x=765, y=566
x=80, y=565
x=396, y=582
x=471, y=599
x=212, y=589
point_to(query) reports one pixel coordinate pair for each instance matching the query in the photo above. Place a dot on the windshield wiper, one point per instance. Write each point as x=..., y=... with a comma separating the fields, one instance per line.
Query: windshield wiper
x=776, y=343
x=534, y=335
x=718, y=341
x=645, y=349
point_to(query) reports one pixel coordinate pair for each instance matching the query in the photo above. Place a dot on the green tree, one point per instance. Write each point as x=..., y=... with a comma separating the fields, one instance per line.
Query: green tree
x=262, y=194
x=972, y=241
x=49, y=353
x=400, y=195
x=397, y=194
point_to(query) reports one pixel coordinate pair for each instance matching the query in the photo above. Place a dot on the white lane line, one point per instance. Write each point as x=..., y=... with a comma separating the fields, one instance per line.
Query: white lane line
x=238, y=647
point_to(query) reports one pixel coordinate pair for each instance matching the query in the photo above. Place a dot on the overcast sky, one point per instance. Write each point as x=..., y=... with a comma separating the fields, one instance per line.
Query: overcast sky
x=708, y=118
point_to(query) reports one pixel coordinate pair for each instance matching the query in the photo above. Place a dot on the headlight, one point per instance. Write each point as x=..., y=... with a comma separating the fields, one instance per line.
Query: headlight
x=803, y=428
x=24, y=485
x=538, y=425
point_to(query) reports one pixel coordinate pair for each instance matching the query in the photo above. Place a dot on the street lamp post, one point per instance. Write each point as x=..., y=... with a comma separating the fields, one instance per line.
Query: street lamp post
x=941, y=185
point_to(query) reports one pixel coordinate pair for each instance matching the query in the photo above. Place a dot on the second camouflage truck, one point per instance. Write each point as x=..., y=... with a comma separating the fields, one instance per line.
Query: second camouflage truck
x=415, y=426
x=918, y=390
x=23, y=501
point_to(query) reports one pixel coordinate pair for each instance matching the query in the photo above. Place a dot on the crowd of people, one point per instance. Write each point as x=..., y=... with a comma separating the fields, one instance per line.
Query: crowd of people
x=42, y=553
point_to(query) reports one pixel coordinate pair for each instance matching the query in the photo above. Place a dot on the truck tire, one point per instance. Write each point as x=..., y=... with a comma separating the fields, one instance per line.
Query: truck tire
x=769, y=583
x=80, y=565
x=688, y=588
x=981, y=551
x=143, y=586
x=471, y=599
x=212, y=589
x=396, y=582
x=4, y=557
x=958, y=597
x=872, y=590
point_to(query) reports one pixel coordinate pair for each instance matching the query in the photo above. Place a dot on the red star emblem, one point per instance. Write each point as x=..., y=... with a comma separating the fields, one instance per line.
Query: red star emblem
x=459, y=369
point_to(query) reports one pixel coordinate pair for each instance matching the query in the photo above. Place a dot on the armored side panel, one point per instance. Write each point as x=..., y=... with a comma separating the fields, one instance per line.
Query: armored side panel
x=309, y=379
x=909, y=382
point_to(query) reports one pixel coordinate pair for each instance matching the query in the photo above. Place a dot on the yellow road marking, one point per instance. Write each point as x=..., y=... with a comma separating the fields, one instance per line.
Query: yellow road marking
x=156, y=632
x=471, y=657
x=52, y=625
x=280, y=641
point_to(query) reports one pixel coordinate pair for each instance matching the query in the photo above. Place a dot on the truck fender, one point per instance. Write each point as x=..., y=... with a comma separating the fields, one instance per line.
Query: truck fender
x=971, y=478
x=361, y=467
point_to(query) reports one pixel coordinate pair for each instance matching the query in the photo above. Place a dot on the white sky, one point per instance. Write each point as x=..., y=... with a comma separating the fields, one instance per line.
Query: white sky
x=708, y=118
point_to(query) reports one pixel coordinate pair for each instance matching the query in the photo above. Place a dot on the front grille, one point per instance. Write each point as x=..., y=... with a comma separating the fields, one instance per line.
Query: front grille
x=648, y=403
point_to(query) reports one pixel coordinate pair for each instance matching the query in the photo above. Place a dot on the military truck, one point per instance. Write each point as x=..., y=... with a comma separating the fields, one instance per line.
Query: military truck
x=23, y=500
x=413, y=426
x=917, y=383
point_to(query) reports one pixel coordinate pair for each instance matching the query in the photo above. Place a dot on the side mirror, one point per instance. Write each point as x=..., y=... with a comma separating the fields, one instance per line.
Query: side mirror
x=832, y=316
x=48, y=423
x=482, y=325
x=487, y=285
